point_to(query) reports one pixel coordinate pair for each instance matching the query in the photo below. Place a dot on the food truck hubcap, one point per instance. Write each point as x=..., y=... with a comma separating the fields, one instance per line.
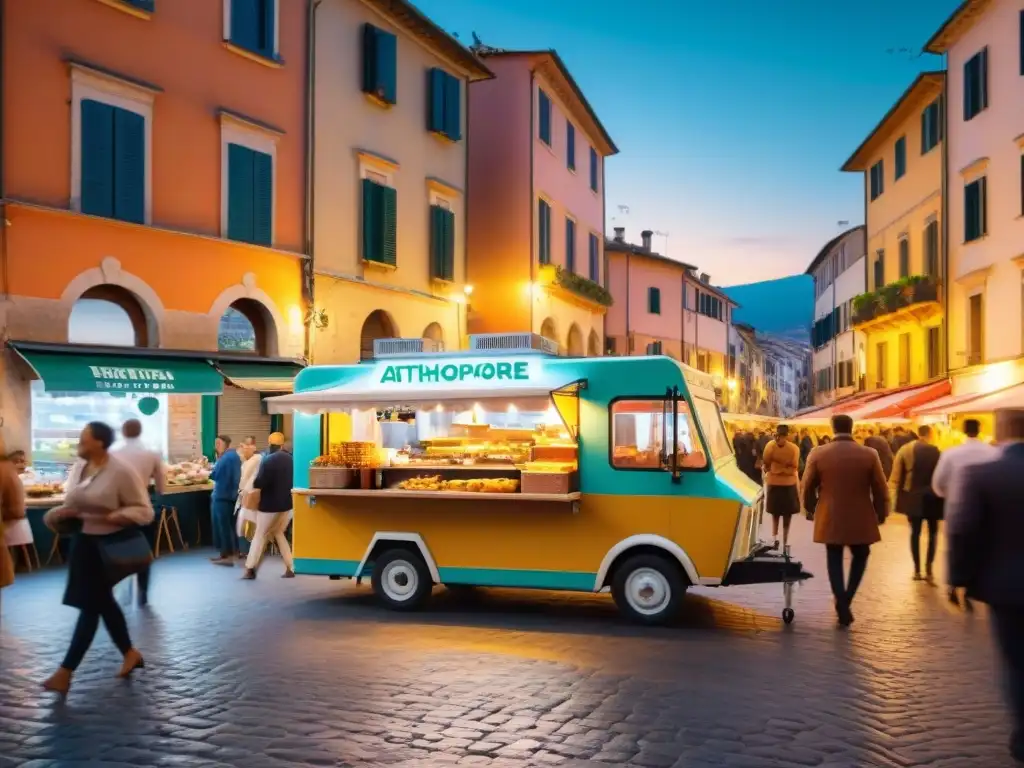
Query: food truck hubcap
x=400, y=580
x=647, y=591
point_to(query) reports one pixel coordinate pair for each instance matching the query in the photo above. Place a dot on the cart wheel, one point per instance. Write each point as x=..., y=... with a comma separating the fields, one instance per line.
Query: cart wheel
x=787, y=615
x=648, y=589
x=401, y=580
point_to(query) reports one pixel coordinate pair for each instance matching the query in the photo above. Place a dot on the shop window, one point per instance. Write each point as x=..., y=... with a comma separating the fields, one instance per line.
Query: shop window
x=109, y=315
x=246, y=326
x=378, y=325
x=644, y=432
x=59, y=417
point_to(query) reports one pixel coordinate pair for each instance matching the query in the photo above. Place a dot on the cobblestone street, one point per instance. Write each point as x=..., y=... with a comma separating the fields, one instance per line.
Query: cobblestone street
x=313, y=672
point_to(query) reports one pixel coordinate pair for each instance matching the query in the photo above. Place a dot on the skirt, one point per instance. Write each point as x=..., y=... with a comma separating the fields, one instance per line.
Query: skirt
x=782, y=501
x=88, y=587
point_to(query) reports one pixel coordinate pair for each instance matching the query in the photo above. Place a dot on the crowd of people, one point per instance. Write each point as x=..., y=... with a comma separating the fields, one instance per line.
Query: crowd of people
x=848, y=486
x=109, y=501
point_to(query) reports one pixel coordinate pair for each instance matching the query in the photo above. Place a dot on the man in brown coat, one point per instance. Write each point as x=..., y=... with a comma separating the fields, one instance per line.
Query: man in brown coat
x=853, y=500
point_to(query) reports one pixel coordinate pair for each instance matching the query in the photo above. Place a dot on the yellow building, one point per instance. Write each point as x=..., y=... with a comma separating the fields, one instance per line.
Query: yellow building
x=388, y=180
x=902, y=313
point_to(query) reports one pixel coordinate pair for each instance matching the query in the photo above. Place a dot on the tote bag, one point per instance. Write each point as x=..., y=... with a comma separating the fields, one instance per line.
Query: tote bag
x=124, y=553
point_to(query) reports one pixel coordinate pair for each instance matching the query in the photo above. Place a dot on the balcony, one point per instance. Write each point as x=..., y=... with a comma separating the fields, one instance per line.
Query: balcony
x=574, y=288
x=912, y=299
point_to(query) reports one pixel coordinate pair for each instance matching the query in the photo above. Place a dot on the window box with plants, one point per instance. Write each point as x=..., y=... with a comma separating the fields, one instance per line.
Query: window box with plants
x=581, y=287
x=901, y=294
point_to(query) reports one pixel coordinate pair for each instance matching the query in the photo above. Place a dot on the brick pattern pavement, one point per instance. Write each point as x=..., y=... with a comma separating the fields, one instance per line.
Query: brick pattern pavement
x=311, y=672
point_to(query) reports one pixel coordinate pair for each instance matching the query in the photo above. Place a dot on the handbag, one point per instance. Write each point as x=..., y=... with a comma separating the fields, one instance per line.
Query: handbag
x=124, y=553
x=251, y=499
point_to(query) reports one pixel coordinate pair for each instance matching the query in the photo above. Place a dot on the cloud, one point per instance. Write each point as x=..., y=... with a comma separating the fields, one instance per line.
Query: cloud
x=774, y=241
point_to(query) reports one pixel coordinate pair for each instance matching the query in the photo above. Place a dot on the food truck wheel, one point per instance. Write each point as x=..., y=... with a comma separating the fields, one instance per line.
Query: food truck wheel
x=648, y=588
x=401, y=580
x=788, y=615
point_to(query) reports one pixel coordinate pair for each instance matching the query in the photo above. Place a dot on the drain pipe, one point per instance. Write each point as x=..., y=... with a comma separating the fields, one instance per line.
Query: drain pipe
x=308, y=276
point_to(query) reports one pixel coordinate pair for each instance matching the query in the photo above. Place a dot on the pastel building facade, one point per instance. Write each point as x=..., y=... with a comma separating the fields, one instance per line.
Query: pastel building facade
x=389, y=178
x=982, y=42
x=902, y=313
x=838, y=350
x=152, y=196
x=536, y=228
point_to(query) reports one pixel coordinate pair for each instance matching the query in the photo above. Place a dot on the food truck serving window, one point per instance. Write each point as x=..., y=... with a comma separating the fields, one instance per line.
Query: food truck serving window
x=714, y=430
x=642, y=435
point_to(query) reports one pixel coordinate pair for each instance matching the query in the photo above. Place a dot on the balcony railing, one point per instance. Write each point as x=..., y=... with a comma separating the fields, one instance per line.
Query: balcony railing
x=586, y=289
x=904, y=293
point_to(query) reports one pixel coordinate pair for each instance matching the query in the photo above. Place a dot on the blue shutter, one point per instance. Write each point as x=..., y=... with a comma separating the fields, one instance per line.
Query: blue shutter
x=387, y=67
x=452, y=107
x=143, y=5
x=389, y=222
x=544, y=117
x=983, y=76
x=544, y=232
x=265, y=38
x=97, y=149
x=570, y=245
x=435, y=106
x=129, y=166
x=371, y=81
x=593, y=169
x=263, y=199
x=595, y=257
x=570, y=146
x=654, y=301
x=245, y=23
x=240, y=193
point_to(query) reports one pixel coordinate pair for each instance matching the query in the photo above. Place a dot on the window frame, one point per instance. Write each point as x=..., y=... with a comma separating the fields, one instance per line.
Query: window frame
x=570, y=146
x=545, y=118
x=274, y=55
x=594, y=257
x=903, y=256
x=982, y=183
x=244, y=134
x=877, y=179
x=373, y=77
x=439, y=77
x=975, y=104
x=595, y=171
x=544, y=243
x=900, y=158
x=571, y=225
x=90, y=84
x=653, y=292
x=663, y=399
x=931, y=139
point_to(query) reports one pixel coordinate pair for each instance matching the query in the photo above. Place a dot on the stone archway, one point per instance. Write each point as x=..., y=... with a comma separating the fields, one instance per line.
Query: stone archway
x=548, y=330
x=111, y=315
x=594, y=345
x=247, y=326
x=434, y=332
x=378, y=325
x=108, y=282
x=574, y=341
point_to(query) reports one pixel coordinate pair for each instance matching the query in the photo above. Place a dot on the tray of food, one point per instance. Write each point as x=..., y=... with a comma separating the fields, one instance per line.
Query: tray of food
x=473, y=485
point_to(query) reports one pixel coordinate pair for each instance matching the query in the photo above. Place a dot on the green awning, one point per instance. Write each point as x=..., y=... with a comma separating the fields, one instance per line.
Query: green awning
x=72, y=372
x=260, y=377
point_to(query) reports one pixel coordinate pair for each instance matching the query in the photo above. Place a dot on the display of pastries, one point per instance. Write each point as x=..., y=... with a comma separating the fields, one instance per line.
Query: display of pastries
x=473, y=485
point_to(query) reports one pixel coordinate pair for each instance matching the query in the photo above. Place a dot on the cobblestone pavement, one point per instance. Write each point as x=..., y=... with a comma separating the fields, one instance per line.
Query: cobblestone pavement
x=313, y=672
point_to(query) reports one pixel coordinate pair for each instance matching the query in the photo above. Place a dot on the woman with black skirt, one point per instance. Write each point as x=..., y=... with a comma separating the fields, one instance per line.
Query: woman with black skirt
x=105, y=500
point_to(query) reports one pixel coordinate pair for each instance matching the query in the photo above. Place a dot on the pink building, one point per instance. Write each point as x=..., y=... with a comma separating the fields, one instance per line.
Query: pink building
x=536, y=203
x=662, y=306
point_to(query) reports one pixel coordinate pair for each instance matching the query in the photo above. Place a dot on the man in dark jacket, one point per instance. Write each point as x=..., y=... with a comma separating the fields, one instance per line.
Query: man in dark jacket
x=274, y=482
x=225, y=476
x=881, y=445
x=986, y=551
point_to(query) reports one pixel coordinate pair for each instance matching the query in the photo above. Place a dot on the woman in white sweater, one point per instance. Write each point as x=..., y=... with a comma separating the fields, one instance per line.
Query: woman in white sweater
x=106, y=501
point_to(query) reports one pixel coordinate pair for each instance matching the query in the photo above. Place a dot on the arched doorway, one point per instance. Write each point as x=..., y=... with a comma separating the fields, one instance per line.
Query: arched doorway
x=594, y=345
x=434, y=332
x=574, y=342
x=247, y=326
x=378, y=325
x=548, y=330
x=111, y=315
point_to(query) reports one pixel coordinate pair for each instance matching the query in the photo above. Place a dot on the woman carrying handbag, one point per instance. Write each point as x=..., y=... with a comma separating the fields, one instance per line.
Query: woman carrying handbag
x=105, y=502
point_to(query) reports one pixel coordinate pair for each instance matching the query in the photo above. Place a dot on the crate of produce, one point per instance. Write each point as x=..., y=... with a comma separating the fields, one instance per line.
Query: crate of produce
x=554, y=483
x=331, y=477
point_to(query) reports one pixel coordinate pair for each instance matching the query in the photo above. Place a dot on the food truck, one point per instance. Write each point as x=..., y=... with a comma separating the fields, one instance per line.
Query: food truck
x=508, y=466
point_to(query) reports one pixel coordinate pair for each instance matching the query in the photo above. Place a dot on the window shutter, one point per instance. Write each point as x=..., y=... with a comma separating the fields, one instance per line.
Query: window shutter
x=449, y=245
x=570, y=146
x=983, y=79
x=263, y=199
x=595, y=259
x=654, y=301
x=389, y=220
x=97, y=158
x=593, y=169
x=373, y=230
x=387, y=67
x=266, y=38
x=144, y=5
x=240, y=193
x=452, y=107
x=371, y=82
x=544, y=117
x=129, y=166
x=570, y=245
x=442, y=243
x=544, y=232
x=245, y=23
x=435, y=109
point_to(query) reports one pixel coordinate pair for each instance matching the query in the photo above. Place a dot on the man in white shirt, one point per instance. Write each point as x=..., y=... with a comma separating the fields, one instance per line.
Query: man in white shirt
x=950, y=470
x=149, y=466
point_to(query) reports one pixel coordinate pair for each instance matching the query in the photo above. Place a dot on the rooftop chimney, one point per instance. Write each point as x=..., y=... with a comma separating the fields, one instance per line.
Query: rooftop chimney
x=645, y=239
x=620, y=234
x=705, y=278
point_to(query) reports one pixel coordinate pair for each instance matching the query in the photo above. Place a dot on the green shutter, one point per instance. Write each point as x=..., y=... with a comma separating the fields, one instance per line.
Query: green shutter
x=435, y=107
x=654, y=301
x=263, y=198
x=144, y=5
x=245, y=23
x=389, y=205
x=452, y=107
x=387, y=66
x=371, y=82
x=97, y=147
x=208, y=425
x=373, y=241
x=129, y=166
x=240, y=193
x=442, y=243
x=265, y=41
x=449, y=245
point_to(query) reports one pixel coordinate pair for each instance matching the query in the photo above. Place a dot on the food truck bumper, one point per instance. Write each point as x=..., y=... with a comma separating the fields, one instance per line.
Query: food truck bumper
x=765, y=569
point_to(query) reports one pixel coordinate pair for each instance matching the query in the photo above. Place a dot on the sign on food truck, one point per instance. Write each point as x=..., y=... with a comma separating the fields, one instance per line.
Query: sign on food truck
x=468, y=372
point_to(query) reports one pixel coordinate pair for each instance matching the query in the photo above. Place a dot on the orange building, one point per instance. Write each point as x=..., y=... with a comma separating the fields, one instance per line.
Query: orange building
x=153, y=238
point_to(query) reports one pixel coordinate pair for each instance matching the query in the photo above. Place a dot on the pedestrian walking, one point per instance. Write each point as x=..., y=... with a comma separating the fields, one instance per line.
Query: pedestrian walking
x=226, y=474
x=986, y=551
x=743, y=444
x=245, y=509
x=149, y=466
x=948, y=472
x=274, y=482
x=911, y=492
x=782, y=496
x=884, y=450
x=104, y=505
x=12, y=509
x=852, y=501
x=901, y=437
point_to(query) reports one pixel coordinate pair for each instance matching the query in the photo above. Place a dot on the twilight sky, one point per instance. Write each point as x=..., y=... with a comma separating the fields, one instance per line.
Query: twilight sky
x=732, y=117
